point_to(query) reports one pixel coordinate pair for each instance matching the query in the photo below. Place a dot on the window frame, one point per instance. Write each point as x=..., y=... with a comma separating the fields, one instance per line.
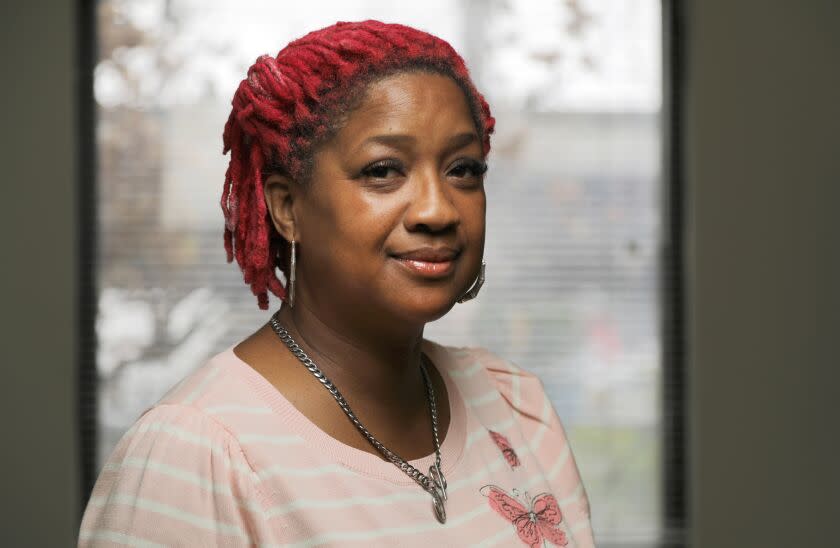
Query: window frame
x=674, y=456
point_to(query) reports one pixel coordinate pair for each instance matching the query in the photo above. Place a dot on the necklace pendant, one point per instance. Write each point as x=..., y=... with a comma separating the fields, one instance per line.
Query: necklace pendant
x=438, y=492
x=437, y=478
x=437, y=503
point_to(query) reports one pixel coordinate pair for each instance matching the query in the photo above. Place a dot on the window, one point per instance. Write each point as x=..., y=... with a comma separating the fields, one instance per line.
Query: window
x=576, y=214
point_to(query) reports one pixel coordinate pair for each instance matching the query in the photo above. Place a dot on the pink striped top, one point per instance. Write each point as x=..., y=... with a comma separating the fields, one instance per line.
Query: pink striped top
x=224, y=459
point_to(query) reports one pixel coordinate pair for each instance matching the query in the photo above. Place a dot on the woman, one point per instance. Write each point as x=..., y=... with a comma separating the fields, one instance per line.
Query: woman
x=357, y=168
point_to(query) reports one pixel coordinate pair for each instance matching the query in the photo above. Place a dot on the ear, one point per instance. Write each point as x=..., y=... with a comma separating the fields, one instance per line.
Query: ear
x=280, y=193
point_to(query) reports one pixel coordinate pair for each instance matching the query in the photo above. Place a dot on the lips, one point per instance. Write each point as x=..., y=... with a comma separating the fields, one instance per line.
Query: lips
x=429, y=262
x=429, y=254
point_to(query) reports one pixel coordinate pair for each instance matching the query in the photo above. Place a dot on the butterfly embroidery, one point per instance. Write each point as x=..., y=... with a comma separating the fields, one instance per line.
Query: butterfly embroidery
x=504, y=446
x=536, y=523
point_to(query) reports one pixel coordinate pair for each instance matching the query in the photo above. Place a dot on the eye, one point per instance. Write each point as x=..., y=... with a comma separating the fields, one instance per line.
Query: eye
x=383, y=169
x=468, y=168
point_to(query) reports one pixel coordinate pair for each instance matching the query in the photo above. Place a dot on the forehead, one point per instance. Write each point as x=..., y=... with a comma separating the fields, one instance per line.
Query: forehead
x=413, y=102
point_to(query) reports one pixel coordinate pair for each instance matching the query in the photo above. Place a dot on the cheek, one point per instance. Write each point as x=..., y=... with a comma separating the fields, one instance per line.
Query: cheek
x=473, y=217
x=348, y=228
x=372, y=216
x=365, y=222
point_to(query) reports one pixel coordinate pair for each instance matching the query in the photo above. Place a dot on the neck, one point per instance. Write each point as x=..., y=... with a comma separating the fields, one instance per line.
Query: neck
x=369, y=365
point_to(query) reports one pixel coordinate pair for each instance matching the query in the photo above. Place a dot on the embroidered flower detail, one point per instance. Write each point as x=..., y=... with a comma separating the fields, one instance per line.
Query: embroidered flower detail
x=504, y=446
x=536, y=523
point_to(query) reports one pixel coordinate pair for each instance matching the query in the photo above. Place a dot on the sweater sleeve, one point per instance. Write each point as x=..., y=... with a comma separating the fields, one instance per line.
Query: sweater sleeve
x=525, y=394
x=177, y=477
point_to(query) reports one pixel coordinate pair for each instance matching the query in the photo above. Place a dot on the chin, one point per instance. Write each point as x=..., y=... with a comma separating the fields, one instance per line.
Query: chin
x=426, y=306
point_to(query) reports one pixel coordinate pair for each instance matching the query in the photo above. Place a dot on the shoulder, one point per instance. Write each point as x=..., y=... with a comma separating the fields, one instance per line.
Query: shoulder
x=216, y=379
x=179, y=475
x=179, y=435
x=466, y=361
x=176, y=476
x=519, y=388
x=201, y=418
x=221, y=392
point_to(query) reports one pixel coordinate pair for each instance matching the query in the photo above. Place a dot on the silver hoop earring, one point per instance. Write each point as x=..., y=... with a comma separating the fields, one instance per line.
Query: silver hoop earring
x=290, y=287
x=473, y=292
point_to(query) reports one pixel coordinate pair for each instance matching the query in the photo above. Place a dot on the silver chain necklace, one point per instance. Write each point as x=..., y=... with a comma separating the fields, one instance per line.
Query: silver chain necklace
x=434, y=483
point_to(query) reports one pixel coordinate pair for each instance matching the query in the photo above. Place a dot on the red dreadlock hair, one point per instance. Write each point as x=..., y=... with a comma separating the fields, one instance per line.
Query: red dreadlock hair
x=289, y=104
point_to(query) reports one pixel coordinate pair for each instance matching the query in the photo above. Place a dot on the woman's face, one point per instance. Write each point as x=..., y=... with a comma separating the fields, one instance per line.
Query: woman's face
x=392, y=225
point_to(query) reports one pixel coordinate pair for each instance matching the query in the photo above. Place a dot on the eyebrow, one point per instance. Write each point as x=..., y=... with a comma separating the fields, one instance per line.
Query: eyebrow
x=400, y=140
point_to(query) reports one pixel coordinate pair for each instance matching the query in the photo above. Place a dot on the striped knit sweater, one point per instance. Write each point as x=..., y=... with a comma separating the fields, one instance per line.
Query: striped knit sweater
x=223, y=459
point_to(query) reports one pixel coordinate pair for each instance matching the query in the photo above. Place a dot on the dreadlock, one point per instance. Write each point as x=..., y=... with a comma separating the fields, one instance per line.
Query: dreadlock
x=291, y=103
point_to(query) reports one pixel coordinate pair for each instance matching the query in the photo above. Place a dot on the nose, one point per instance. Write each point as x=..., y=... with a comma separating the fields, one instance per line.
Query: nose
x=431, y=209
